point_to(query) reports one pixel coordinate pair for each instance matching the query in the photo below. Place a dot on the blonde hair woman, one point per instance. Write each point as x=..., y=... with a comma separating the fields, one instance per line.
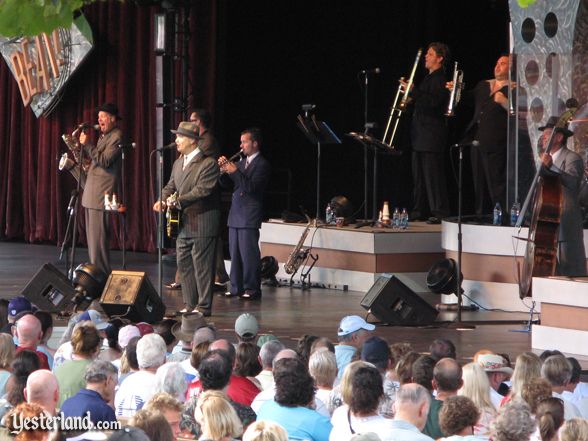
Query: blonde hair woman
x=265, y=431
x=7, y=352
x=217, y=418
x=575, y=429
x=341, y=394
x=527, y=367
x=477, y=388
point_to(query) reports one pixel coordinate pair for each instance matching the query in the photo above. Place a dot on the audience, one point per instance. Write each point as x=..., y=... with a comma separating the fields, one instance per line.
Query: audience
x=267, y=354
x=265, y=431
x=514, y=422
x=43, y=389
x=497, y=371
x=247, y=363
x=447, y=380
x=527, y=367
x=169, y=407
x=411, y=410
x=442, y=348
x=170, y=378
x=29, y=334
x=85, y=343
x=217, y=418
x=139, y=387
x=184, y=332
x=7, y=353
x=558, y=371
x=352, y=332
x=322, y=367
x=457, y=418
x=549, y=417
x=24, y=364
x=292, y=406
x=477, y=388
x=101, y=379
x=575, y=429
x=246, y=328
x=153, y=423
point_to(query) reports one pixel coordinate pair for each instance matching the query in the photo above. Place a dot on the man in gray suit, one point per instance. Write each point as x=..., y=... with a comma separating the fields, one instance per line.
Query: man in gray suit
x=194, y=178
x=568, y=166
x=103, y=177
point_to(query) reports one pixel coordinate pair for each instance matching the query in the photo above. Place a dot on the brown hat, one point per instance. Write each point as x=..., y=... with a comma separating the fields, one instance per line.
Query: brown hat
x=188, y=129
x=190, y=323
x=552, y=122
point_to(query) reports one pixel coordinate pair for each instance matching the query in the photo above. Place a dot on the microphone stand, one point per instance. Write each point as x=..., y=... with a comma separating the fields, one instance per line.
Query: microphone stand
x=72, y=258
x=366, y=126
x=68, y=229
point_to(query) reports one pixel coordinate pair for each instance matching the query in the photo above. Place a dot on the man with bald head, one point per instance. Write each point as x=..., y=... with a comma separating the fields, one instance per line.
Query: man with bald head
x=29, y=334
x=42, y=389
x=411, y=410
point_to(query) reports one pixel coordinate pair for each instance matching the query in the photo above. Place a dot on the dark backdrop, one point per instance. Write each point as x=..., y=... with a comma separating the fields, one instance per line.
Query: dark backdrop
x=252, y=63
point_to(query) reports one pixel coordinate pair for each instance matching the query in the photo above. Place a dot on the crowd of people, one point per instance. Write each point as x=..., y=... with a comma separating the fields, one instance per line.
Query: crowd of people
x=177, y=379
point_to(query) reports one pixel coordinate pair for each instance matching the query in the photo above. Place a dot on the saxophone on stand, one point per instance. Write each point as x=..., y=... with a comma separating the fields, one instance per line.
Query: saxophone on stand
x=72, y=165
x=299, y=255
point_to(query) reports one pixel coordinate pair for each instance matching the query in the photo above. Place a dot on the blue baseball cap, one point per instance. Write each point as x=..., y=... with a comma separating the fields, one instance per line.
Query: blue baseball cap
x=18, y=305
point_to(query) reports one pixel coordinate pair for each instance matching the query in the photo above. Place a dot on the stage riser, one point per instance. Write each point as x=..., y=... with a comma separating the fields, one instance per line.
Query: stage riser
x=564, y=322
x=356, y=258
x=492, y=295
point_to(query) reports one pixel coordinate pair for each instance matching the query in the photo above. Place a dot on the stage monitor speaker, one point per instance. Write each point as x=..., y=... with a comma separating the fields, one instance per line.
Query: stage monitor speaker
x=392, y=302
x=130, y=295
x=49, y=289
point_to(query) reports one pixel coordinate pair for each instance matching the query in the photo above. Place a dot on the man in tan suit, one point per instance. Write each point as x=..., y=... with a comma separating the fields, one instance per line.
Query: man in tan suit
x=103, y=177
x=194, y=178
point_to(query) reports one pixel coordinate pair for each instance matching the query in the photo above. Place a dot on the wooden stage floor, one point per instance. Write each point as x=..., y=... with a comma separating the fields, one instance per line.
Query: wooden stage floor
x=285, y=312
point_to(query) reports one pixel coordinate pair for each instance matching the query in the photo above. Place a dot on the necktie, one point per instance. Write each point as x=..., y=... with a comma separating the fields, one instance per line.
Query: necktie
x=246, y=163
x=186, y=161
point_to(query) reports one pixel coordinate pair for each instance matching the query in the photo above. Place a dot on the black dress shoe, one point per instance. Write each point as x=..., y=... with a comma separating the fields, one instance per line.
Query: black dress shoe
x=231, y=294
x=205, y=312
x=433, y=220
x=251, y=295
x=173, y=285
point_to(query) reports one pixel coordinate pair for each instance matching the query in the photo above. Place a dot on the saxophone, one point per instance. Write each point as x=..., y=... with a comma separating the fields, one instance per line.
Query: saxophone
x=298, y=254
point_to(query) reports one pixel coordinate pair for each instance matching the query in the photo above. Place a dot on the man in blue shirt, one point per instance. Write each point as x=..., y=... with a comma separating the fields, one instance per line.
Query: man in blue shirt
x=101, y=378
x=352, y=332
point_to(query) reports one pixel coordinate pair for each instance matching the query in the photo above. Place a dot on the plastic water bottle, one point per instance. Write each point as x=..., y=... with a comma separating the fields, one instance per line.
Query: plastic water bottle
x=396, y=219
x=329, y=215
x=514, y=213
x=404, y=219
x=497, y=215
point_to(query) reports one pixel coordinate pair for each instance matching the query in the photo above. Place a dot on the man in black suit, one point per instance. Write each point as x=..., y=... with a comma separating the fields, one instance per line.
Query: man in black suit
x=194, y=178
x=429, y=138
x=103, y=177
x=488, y=127
x=250, y=177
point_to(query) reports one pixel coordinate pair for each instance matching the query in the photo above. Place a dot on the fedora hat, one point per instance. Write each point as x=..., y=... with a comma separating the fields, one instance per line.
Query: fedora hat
x=110, y=108
x=552, y=122
x=190, y=323
x=188, y=129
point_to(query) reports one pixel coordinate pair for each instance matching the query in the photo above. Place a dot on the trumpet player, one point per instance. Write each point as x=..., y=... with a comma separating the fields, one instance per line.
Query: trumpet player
x=429, y=138
x=489, y=128
x=250, y=177
x=103, y=177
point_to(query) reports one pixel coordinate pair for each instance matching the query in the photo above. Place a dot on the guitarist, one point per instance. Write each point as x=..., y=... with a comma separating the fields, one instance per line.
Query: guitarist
x=569, y=166
x=194, y=177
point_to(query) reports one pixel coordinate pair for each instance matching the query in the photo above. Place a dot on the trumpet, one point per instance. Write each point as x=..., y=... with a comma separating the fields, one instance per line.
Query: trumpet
x=231, y=159
x=399, y=105
x=455, y=95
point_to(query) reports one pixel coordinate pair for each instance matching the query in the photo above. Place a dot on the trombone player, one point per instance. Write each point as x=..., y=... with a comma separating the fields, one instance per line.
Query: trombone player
x=428, y=134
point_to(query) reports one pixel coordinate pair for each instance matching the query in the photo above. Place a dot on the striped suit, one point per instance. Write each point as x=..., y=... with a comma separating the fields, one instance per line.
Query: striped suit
x=200, y=216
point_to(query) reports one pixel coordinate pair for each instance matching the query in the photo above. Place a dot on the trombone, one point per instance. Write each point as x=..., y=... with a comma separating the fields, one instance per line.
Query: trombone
x=455, y=95
x=399, y=105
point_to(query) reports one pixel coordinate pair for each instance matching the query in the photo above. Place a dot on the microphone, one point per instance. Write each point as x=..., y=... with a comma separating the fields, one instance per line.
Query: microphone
x=128, y=145
x=473, y=143
x=374, y=71
x=171, y=145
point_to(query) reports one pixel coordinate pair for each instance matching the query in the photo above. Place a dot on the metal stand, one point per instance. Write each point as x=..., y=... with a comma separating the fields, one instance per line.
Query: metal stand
x=74, y=236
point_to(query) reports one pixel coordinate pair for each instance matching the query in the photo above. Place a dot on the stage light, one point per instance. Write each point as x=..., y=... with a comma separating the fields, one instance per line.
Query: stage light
x=269, y=269
x=442, y=277
x=89, y=283
x=159, y=32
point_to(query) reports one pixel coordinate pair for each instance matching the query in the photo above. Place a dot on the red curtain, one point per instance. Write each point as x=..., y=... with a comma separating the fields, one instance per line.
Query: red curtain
x=120, y=69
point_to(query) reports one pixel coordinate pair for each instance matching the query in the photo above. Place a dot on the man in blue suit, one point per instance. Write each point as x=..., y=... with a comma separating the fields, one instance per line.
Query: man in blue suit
x=250, y=177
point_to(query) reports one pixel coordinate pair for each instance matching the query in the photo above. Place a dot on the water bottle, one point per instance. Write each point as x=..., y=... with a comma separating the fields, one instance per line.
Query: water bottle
x=497, y=215
x=329, y=215
x=396, y=219
x=514, y=213
x=404, y=219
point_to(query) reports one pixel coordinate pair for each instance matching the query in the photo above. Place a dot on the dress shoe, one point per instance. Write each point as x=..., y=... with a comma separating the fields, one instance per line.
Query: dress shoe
x=173, y=285
x=220, y=286
x=205, y=312
x=251, y=295
x=230, y=294
x=182, y=311
x=433, y=220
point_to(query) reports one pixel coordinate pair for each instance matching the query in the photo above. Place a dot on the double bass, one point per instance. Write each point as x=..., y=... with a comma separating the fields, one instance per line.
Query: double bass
x=542, y=243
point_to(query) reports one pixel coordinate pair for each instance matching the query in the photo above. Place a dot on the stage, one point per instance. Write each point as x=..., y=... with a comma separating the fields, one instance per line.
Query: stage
x=286, y=312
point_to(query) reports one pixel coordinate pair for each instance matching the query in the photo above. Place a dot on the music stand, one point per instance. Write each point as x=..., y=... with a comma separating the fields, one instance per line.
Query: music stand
x=318, y=133
x=369, y=142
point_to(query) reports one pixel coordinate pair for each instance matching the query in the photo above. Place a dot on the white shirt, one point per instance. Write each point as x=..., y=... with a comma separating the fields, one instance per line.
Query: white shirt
x=570, y=409
x=250, y=158
x=496, y=398
x=134, y=392
x=342, y=432
x=190, y=156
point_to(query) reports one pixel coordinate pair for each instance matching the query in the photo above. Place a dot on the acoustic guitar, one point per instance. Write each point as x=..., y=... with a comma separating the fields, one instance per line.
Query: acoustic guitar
x=172, y=216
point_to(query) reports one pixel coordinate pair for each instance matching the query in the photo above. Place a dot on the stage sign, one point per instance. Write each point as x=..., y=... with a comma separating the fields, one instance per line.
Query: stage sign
x=43, y=64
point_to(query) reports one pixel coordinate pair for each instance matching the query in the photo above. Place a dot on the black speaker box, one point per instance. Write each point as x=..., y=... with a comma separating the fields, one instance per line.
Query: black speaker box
x=392, y=302
x=49, y=289
x=130, y=295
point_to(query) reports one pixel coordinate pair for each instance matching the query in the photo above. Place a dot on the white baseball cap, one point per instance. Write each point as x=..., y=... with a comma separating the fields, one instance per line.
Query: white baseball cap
x=353, y=323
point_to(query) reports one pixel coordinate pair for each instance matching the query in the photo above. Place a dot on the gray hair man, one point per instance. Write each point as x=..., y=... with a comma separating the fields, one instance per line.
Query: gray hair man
x=101, y=378
x=557, y=369
x=410, y=416
x=267, y=354
x=352, y=333
x=138, y=388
